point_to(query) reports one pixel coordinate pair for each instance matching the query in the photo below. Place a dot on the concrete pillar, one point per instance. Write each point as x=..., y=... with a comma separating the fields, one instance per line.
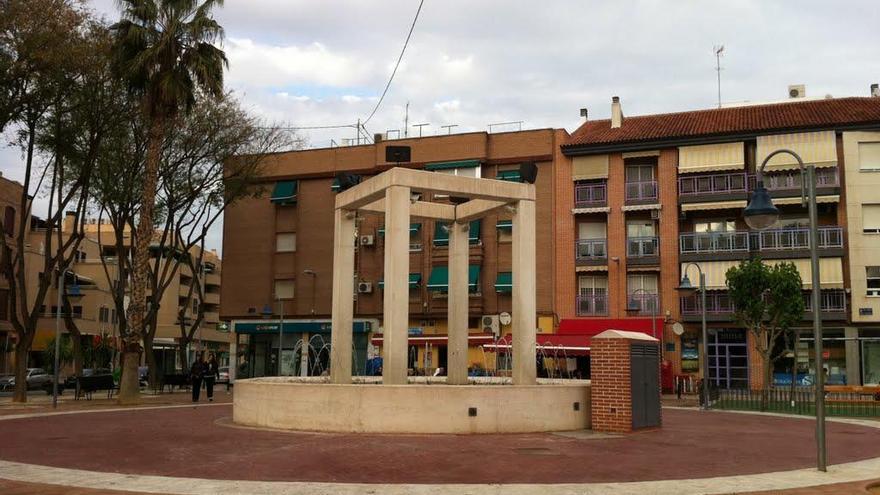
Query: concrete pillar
x=343, y=302
x=233, y=357
x=457, y=304
x=396, y=304
x=853, y=366
x=304, y=354
x=523, y=296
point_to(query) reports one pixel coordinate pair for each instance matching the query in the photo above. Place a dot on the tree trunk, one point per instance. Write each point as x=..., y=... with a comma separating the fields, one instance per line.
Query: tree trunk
x=77, y=349
x=150, y=358
x=129, y=388
x=21, y=357
x=765, y=391
x=141, y=269
x=184, y=358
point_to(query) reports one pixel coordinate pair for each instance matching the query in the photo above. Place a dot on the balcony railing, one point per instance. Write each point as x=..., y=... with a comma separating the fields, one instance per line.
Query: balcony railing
x=590, y=195
x=647, y=304
x=790, y=180
x=796, y=238
x=831, y=301
x=641, y=247
x=712, y=184
x=592, y=305
x=740, y=182
x=590, y=249
x=760, y=240
x=719, y=303
x=714, y=242
x=641, y=191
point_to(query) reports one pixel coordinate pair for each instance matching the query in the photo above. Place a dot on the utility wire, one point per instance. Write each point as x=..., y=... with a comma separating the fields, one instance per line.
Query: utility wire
x=405, y=43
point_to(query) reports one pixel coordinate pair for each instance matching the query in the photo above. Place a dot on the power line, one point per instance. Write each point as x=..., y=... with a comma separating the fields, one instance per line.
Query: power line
x=405, y=43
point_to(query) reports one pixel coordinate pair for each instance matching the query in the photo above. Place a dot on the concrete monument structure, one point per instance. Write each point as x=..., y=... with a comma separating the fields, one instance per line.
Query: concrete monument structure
x=453, y=406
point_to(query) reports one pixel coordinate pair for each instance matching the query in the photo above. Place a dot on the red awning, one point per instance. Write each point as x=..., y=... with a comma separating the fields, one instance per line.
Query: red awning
x=439, y=339
x=594, y=326
x=552, y=344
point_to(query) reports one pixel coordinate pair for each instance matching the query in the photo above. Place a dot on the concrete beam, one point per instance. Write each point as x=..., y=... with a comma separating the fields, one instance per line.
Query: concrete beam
x=476, y=208
x=419, y=209
x=467, y=187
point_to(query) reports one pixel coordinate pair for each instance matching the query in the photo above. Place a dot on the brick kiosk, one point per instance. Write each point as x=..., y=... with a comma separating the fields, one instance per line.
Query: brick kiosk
x=625, y=381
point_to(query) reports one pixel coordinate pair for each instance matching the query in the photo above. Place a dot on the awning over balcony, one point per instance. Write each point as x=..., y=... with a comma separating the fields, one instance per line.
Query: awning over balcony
x=451, y=165
x=284, y=192
x=504, y=282
x=817, y=148
x=439, y=278
x=830, y=272
x=589, y=167
x=711, y=158
x=830, y=198
x=717, y=205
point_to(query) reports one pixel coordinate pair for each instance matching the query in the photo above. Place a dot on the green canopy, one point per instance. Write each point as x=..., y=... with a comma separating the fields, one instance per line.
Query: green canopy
x=284, y=192
x=450, y=165
x=438, y=281
x=509, y=175
x=504, y=282
x=441, y=233
x=504, y=225
x=414, y=280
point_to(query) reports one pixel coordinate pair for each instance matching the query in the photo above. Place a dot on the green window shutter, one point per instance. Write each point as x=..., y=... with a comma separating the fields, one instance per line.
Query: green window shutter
x=474, y=278
x=335, y=186
x=449, y=165
x=284, y=192
x=509, y=175
x=438, y=281
x=414, y=280
x=504, y=282
x=441, y=233
x=504, y=225
x=474, y=232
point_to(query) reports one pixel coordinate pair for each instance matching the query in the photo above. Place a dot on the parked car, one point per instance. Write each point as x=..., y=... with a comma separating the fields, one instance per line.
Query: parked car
x=36, y=378
x=224, y=374
x=7, y=383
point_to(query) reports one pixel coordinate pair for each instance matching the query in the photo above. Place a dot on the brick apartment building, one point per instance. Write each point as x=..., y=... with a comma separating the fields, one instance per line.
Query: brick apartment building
x=278, y=252
x=623, y=205
x=654, y=193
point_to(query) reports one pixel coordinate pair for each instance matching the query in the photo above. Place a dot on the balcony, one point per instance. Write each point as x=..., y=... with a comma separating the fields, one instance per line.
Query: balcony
x=643, y=304
x=212, y=298
x=590, y=195
x=719, y=307
x=737, y=185
x=642, y=250
x=790, y=180
x=593, y=305
x=591, y=251
x=713, y=185
x=641, y=191
x=773, y=243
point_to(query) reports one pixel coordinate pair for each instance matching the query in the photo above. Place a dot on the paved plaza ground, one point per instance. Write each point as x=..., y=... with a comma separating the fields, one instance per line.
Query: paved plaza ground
x=168, y=437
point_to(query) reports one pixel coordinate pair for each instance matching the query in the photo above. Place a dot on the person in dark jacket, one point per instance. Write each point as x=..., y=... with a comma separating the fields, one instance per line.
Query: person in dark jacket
x=196, y=374
x=212, y=373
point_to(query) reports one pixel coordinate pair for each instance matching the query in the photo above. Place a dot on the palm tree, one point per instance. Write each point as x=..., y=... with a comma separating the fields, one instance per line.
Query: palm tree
x=164, y=49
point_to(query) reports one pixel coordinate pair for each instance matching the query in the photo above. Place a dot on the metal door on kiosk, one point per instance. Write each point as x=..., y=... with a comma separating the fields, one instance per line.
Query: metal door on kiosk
x=645, y=385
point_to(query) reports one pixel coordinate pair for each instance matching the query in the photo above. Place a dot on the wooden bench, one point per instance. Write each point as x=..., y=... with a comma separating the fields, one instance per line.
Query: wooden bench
x=178, y=379
x=85, y=385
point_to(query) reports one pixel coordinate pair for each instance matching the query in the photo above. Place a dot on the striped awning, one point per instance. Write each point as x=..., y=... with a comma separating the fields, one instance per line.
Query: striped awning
x=652, y=206
x=796, y=200
x=591, y=268
x=816, y=148
x=711, y=157
x=598, y=209
x=589, y=167
x=830, y=272
x=717, y=205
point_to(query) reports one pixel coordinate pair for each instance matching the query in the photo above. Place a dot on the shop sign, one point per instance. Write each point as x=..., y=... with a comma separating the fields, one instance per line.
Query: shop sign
x=866, y=311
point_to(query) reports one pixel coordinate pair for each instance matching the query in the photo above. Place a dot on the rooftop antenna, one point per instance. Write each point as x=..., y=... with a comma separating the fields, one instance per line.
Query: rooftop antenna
x=448, y=128
x=719, y=49
x=420, y=128
x=406, y=122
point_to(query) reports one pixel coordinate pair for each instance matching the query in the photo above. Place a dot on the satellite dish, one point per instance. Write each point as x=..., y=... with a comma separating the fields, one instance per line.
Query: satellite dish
x=677, y=328
x=505, y=318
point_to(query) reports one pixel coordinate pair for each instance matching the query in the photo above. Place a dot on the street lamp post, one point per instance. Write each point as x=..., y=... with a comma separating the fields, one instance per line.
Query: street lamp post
x=761, y=214
x=634, y=307
x=61, y=275
x=685, y=286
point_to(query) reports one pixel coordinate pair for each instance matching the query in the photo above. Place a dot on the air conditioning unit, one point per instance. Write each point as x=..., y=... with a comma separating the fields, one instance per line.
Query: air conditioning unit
x=491, y=325
x=365, y=287
x=367, y=240
x=655, y=214
x=797, y=91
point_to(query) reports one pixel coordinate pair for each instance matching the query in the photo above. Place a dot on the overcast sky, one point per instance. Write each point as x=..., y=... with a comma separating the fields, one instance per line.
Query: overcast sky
x=473, y=63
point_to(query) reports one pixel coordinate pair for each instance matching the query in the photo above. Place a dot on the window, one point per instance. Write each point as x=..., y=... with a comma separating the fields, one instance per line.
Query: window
x=9, y=221
x=644, y=283
x=591, y=230
x=871, y=219
x=639, y=173
x=592, y=285
x=872, y=274
x=715, y=226
x=284, y=289
x=103, y=314
x=461, y=171
x=113, y=319
x=80, y=256
x=441, y=233
x=285, y=242
x=640, y=228
x=869, y=156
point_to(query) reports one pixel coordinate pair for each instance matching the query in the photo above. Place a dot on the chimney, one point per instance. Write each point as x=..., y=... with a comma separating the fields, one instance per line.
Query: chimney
x=875, y=89
x=616, y=113
x=584, y=113
x=377, y=138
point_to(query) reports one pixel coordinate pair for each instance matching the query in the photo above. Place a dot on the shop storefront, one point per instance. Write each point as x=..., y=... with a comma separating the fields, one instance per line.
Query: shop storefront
x=728, y=357
x=305, y=347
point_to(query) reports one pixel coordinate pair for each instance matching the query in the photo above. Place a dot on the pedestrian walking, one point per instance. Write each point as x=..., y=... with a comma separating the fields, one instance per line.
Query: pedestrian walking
x=212, y=373
x=196, y=374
